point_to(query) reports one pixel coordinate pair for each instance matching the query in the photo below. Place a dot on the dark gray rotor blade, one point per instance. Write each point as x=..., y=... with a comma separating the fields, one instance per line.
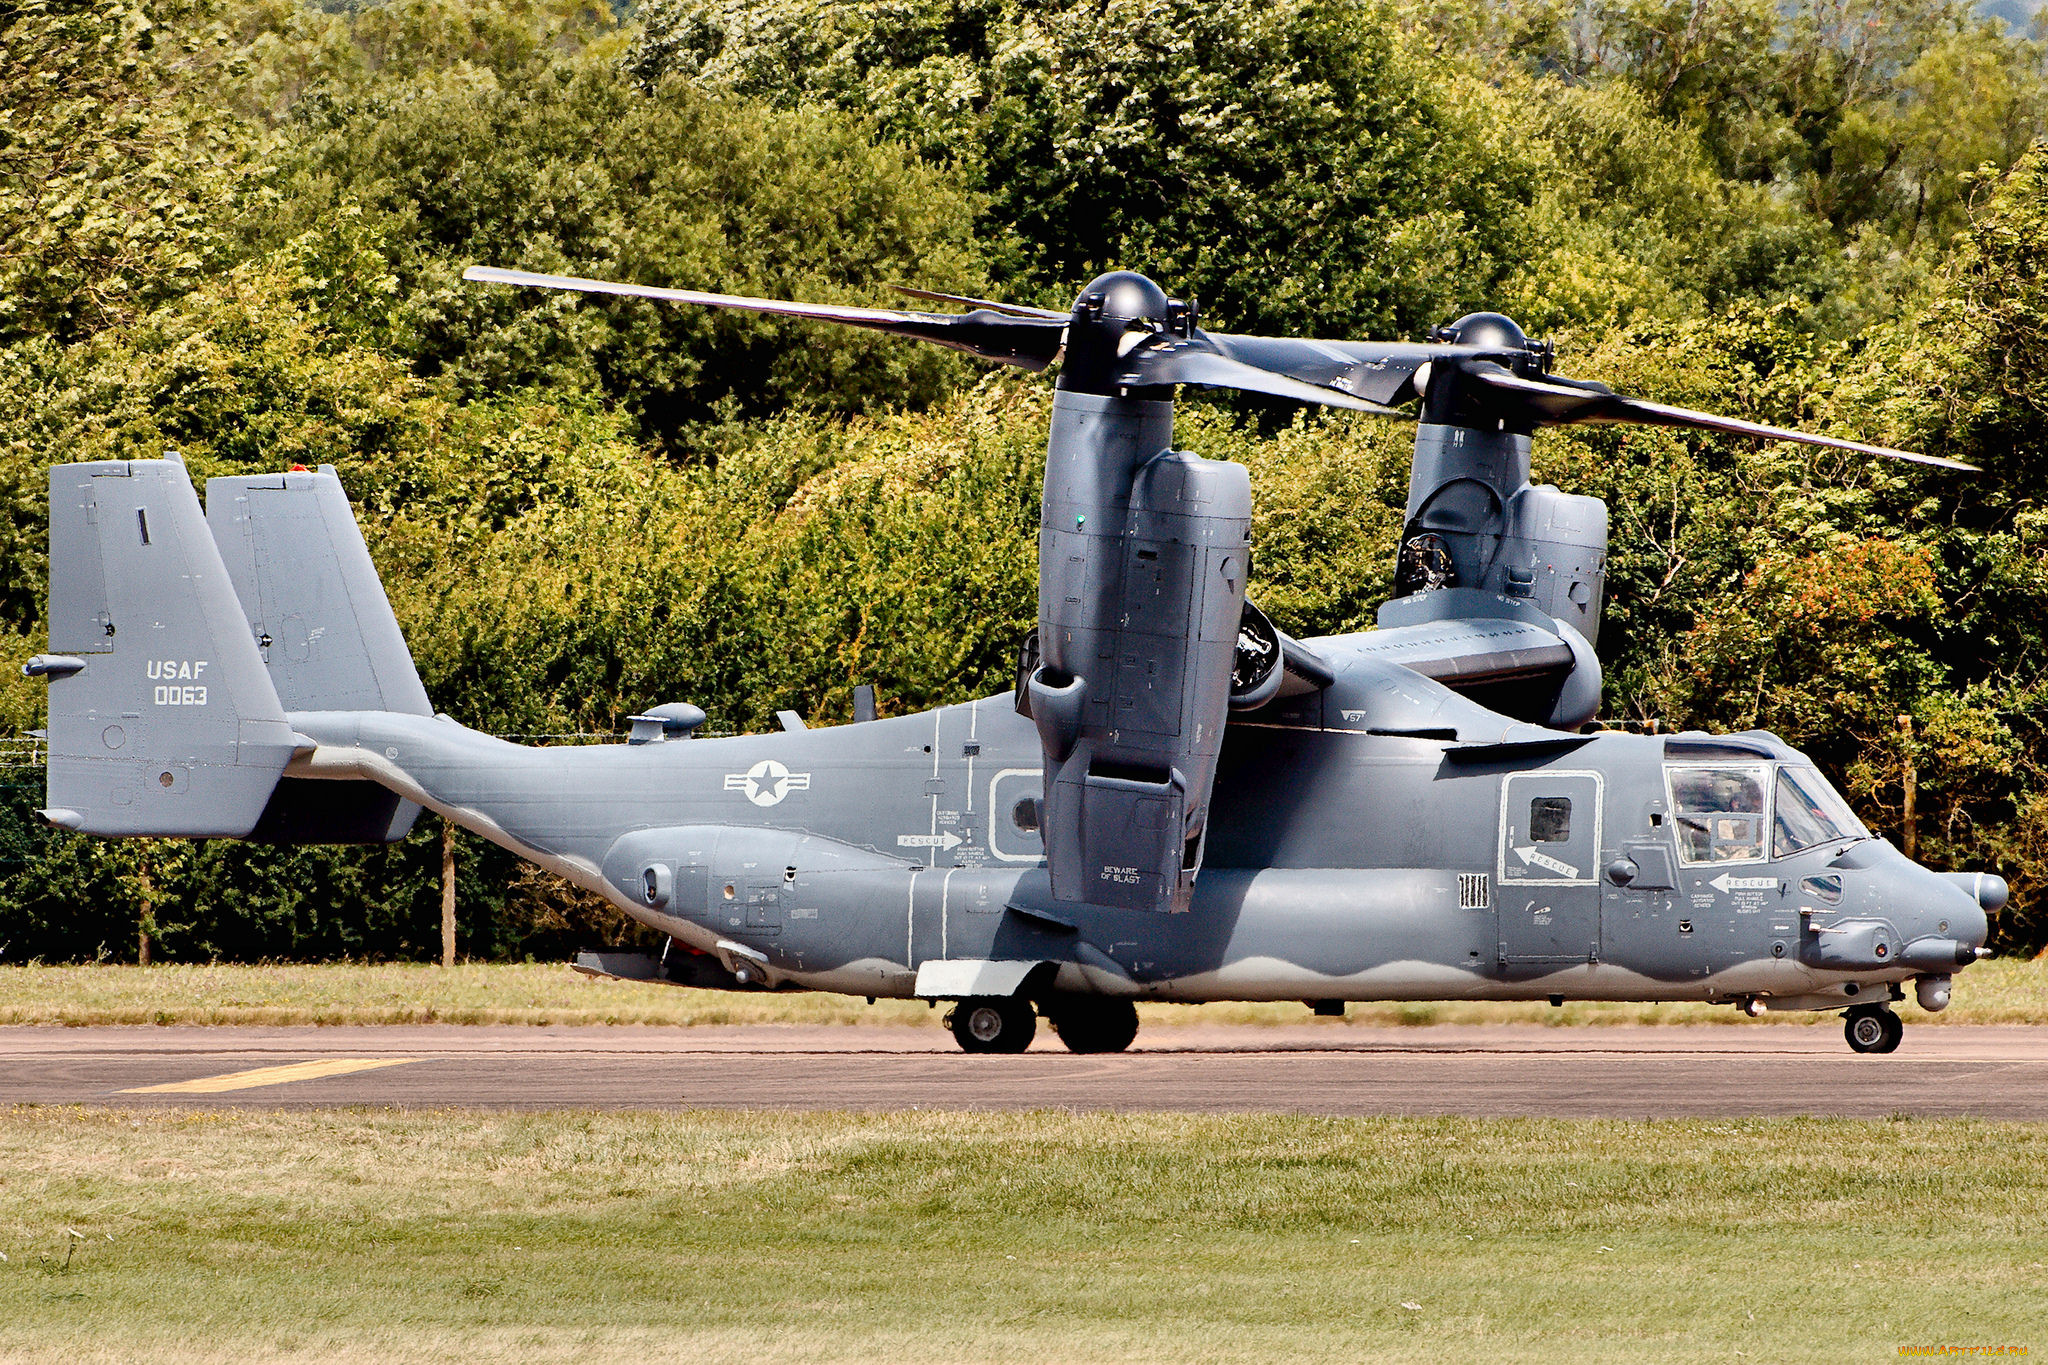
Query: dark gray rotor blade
x=1658, y=414
x=1381, y=372
x=1017, y=310
x=1168, y=359
x=1030, y=343
x=1575, y=402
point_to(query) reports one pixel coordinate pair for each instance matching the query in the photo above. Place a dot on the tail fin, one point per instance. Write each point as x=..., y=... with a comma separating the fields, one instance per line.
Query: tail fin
x=325, y=630
x=314, y=604
x=163, y=720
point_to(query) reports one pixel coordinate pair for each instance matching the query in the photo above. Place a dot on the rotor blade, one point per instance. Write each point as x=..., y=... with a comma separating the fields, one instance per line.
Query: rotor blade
x=1380, y=372
x=1658, y=414
x=1574, y=402
x=1016, y=310
x=1192, y=360
x=1030, y=343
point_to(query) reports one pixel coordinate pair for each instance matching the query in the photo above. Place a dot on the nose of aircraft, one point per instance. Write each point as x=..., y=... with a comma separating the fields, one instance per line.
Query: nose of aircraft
x=1942, y=917
x=1961, y=924
x=1898, y=914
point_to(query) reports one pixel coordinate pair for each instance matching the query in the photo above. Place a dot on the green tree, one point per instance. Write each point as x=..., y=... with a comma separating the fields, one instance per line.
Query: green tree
x=1631, y=220
x=110, y=183
x=548, y=157
x=1862, y=113
x=1285, y=162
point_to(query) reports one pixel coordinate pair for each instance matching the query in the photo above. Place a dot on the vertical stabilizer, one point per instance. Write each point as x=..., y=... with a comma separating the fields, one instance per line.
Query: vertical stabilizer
x=326, y=632
x=162, y=718
x=315, y=606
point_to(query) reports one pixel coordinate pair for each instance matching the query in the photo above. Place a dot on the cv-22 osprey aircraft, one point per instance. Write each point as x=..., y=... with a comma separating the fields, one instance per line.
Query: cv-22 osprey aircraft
x=1176, y=802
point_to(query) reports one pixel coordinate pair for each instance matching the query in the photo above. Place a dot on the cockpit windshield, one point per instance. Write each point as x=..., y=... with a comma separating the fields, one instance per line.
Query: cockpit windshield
x=1720, y=813
x=1809, y=812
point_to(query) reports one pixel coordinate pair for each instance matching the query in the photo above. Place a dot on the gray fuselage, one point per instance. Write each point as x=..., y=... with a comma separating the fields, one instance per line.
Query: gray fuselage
x=1382, y=839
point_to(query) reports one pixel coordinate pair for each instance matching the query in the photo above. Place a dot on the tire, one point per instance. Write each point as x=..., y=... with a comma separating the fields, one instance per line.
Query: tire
x=993, y=1024
x=1873, y=1030
x=1894, y=1032
x=1086, y=1025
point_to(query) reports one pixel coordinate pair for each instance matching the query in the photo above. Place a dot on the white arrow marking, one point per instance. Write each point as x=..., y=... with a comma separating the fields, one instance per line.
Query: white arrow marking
x=948, y=841
x=1726, y=883
x=1545, y=861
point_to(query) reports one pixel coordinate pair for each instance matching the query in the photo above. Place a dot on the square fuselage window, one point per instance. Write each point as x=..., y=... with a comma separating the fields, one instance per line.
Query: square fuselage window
x=1550, y=820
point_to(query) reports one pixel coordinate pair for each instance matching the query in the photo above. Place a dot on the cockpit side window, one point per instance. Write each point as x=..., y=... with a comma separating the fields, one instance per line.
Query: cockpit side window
x=1719, y=812
x=1808, y=812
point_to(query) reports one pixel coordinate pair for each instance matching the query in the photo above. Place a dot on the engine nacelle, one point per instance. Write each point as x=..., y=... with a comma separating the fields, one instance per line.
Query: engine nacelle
x=1475, y=521
x=1143, y=554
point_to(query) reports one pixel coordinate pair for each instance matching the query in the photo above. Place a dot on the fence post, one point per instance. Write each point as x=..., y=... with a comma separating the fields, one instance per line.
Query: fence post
x=1909, y=785
x=148, y=909
x=447, y=894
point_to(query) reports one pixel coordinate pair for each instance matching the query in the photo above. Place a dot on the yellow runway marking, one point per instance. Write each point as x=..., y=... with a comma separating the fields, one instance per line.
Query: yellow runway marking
x=268, y=1075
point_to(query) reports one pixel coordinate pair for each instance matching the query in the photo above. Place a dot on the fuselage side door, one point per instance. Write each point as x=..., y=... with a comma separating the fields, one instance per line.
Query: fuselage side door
x=1549, y=896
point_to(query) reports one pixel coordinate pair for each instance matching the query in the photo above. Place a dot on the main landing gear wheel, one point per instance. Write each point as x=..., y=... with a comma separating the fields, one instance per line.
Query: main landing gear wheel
x=1873, y=1029
x=1087, y=1025
x=993, y=1024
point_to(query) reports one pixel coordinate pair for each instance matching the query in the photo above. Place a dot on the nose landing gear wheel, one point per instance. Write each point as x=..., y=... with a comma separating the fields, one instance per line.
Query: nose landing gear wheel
x=993, y=1024
x=1093, y=1025
x=1874, y=1029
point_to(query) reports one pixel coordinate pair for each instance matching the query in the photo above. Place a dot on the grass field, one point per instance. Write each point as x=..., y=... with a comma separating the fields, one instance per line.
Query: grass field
x=1048, y=1236
x=2001, y=991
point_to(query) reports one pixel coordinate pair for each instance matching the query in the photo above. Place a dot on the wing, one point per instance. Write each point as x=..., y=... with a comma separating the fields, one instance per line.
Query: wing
x=1462, y=654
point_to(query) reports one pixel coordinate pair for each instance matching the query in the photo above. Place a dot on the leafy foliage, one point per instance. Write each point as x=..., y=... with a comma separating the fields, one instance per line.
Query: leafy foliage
x=235, y=228
x=1867, y=112
x=1288, y=162
x=108, y=179
x=572, y=169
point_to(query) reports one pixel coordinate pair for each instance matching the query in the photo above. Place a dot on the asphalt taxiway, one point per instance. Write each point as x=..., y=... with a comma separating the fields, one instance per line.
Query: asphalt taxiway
x=1618, y=1072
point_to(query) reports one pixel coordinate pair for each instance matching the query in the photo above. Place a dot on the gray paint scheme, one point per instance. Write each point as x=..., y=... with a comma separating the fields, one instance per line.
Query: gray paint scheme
x=1470, y=490
x=1362, y=838
x=326, y=632
x=1388, y=815
x=1142, y=555
x=894, y=843
x=170, y=726
x=314, y=604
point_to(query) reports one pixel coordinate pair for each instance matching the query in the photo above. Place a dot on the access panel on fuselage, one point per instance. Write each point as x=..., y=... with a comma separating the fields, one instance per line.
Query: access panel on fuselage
x=1548, y=899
